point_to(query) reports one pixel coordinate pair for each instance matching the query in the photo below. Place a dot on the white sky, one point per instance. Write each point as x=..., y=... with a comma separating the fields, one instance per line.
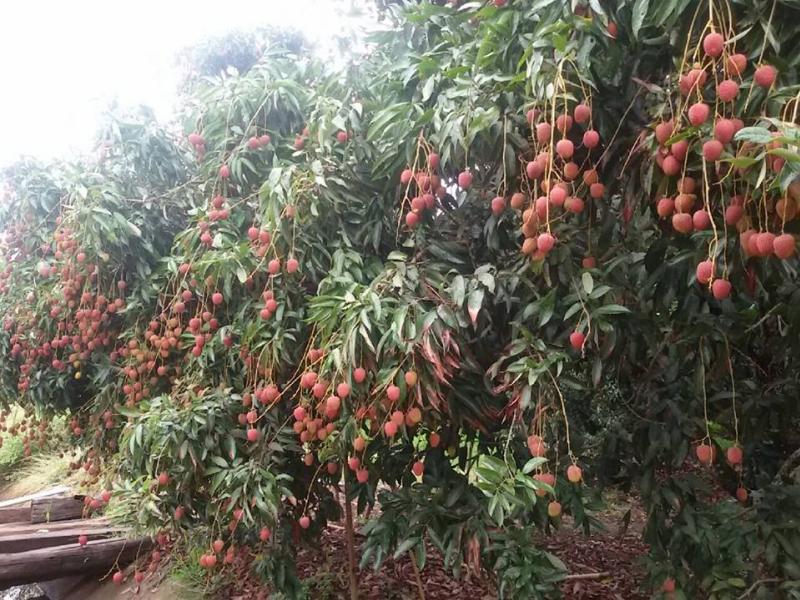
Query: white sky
x=63, y=61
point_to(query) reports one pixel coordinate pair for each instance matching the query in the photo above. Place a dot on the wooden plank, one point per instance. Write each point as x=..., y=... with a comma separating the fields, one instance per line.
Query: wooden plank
x=56, y=508
x=60, y=490
x=61, y=561
x=32, y=528
x=23, y=542
x=15, y=514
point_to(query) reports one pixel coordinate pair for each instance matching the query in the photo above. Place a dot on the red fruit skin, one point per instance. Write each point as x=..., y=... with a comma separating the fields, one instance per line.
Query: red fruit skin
x=704, y=272
x=534, y=169
x=668, y=586
x=705, y=453
x=545, y=242
x=741, y=495
x=679, y=149
x=701, y=220
x=721, y=289
x=664, y=131
x=224, y=172
x=118, y=578
x=393, y=393
x=712, y=150
x=582, y=113
x=390, y=428
x=565, y=149
x=412, y=219
x=734, y=455
x=736, y=64
x=765, y=76
x=665, y=207
x=341, y=137
x=784, y=246
x=465, y=180
x=713, y=44
x=724, y=130
x=418, y=468
x=359, y=375
x=577, y=339
x=698, y=113
x=563, y=123
x=574, y=474
x=727, y=90
x=558, y=195
x=597, y=190
x=670, y=166
x=433, y=161
x=543, y=133
x=733, y=214
x=252, y=435
x=682, y=222
x=764, y=243
x=591, y=139
x=305, y=522
x=498, y=205
x=574, y=204
x=406, y=176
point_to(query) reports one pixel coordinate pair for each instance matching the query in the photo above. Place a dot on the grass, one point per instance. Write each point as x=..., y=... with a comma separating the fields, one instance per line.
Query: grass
x=46, y=467
x=38, y=472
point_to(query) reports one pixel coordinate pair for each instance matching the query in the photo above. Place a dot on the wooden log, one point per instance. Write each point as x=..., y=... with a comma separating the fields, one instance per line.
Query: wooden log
x=60, y=490
x=15, y=514
x=31, y=528
x=57, y=508
x=61, y=561
x=23, y=542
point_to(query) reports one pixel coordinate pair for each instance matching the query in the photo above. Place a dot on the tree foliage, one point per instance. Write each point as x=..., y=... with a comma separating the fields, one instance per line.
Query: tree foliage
x=413, y=275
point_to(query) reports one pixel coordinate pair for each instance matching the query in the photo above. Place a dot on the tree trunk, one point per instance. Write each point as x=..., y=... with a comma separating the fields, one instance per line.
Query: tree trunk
x=350, y=536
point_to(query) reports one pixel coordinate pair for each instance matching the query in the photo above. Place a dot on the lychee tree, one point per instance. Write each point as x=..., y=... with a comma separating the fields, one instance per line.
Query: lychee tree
x=515, y=248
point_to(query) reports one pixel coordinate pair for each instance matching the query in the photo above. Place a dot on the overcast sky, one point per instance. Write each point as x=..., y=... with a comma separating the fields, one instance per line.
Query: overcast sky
x=63, y=61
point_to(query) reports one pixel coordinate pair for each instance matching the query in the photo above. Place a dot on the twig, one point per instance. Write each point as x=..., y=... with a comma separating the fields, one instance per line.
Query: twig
x=417, y=576
x=596, y=575
x=758, y=583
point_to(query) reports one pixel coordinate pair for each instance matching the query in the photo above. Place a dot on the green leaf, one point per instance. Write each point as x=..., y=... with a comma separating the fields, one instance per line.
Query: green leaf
x=219, y=461
x=588, y=282
x=611, y=309
x=639, y=13
x=757, y=135
x=405, y=546
x=474, y=303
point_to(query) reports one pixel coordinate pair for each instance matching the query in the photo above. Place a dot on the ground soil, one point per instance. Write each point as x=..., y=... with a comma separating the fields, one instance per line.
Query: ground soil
x=604, y=561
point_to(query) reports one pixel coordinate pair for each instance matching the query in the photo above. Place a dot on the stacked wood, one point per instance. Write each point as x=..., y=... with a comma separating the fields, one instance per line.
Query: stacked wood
x=44, y=510
x=98, y=556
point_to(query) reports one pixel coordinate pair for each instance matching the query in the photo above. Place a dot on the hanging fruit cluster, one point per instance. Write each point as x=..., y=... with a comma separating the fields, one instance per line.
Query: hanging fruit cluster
x=720, y=147
x=422, y=184
x=561, y=175
x=81, y=301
